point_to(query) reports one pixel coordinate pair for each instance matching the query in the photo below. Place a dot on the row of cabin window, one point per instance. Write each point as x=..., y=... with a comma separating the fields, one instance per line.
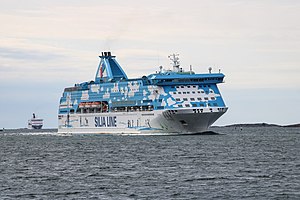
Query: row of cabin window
x=195, y=105
x=150, y=100
x=193, y=92
x=89, y=110
x=117, y=103
x=193, y=99
x=190, y=86
x=132, y=108
x=115, y=109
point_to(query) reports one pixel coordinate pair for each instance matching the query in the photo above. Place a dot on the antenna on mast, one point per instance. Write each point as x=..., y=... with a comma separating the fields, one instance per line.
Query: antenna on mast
x=175, y=61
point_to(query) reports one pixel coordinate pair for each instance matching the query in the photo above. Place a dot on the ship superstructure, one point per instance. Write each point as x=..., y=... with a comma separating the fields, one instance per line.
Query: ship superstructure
x=168, y=101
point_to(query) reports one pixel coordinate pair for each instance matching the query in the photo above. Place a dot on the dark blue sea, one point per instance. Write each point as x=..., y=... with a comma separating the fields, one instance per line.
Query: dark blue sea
x=248, y=163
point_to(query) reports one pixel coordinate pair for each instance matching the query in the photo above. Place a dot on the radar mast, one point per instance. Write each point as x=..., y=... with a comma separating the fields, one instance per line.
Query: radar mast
x=175, y=61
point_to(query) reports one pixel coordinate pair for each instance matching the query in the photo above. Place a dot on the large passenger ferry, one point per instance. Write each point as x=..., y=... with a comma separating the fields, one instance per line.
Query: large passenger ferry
x=166, y=102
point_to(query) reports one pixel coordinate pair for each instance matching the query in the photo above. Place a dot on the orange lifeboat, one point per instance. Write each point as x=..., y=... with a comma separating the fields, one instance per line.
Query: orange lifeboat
x=95, y=104
x=88, y=105
x=81, y=105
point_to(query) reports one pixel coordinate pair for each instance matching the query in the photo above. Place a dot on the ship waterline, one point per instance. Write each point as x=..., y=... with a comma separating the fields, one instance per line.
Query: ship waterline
x=167, y=102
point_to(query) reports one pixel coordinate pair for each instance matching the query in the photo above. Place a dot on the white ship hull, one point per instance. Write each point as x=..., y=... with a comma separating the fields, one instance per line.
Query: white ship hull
x=182, y=121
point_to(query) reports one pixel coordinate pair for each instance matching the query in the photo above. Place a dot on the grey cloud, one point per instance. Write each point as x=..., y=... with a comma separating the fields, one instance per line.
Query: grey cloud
x=22, y=54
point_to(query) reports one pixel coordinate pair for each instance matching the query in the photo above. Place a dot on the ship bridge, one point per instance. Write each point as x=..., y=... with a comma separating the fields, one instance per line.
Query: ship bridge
x=109, y=69
x=185, y=79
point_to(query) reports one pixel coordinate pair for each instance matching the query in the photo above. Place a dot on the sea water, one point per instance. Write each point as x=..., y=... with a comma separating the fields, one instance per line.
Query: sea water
x=247, y=163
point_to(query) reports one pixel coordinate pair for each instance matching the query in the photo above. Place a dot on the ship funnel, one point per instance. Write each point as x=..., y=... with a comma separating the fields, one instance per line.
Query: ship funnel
x=109, y=69
x=106, y=54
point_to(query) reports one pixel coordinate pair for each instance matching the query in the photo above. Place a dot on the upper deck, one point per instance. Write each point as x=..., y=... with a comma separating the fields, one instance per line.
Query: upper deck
x=171, y=78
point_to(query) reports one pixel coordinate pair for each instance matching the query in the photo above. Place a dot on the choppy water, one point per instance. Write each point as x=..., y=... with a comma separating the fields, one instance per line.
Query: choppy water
x=253, y=163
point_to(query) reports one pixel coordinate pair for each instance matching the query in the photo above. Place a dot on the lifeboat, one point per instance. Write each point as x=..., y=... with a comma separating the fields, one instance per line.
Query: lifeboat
x=87, y=104
x=96, y=104
x=81, y=105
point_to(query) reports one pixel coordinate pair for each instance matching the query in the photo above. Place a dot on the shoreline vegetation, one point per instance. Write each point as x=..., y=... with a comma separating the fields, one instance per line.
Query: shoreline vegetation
x=245, y=125
x=261, y=125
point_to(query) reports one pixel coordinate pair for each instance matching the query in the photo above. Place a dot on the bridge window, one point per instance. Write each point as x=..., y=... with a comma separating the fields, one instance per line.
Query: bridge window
x=184, y=99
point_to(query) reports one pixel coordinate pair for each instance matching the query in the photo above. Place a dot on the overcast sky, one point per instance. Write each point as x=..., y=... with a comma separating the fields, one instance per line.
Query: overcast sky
x=46, y=46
